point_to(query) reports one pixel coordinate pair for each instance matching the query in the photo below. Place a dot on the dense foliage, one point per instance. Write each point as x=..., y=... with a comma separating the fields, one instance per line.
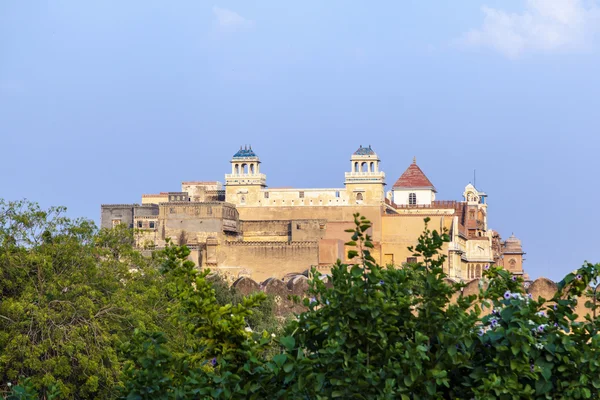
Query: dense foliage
x=83, y=315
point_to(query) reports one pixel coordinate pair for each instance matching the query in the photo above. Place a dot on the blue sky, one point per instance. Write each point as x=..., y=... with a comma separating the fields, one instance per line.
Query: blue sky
x=101, y=101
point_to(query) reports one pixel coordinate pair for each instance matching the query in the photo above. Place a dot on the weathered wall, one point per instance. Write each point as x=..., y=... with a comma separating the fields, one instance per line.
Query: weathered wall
x=116, y=212
x=309, y=230
x=267, y=259
x=145, y=210
x=331, y=214
x=266, y=231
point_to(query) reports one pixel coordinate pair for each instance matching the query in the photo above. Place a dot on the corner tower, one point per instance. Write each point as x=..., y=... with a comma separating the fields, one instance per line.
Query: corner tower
x=243, y=185
x=365, y=182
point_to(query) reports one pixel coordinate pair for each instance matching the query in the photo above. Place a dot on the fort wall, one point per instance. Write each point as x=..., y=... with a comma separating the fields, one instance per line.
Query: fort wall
x=266, y=259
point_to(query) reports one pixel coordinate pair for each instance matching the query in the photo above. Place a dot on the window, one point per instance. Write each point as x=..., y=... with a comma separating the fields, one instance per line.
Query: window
x=297, y=226
x=337, y=194
x=412, y=199
x=152, y=225
x=301, y=195
x=388, y=259
x=411, y=260
x=359, y=197
x=172, y=210
x=139, y=224
x=266, y=195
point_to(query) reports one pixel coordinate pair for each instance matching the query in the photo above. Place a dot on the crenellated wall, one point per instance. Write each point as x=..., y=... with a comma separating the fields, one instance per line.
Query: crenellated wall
x=297, y=285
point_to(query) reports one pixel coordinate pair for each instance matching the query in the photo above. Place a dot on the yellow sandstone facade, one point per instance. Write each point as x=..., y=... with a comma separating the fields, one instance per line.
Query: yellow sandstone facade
x=245, y=228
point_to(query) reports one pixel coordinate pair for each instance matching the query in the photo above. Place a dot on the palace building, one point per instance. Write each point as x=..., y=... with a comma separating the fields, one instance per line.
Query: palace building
x=245, y=228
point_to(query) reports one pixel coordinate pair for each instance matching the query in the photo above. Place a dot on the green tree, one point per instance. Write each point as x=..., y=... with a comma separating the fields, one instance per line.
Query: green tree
x=70, y=296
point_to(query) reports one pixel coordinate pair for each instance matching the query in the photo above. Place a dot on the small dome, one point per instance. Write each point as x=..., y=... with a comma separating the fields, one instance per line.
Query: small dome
x=364, y=151
x=512, y=244
x=244, y=153
x=513, y=239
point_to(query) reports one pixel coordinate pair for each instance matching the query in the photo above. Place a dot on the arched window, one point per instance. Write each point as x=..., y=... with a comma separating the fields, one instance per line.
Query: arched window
x=364, y=167
x=356, y=169
x=237, y=168
x=245, y=169
x=372, y=166
x=412, y=199
x=252, y=168
x=478, y=271
x=359, y=197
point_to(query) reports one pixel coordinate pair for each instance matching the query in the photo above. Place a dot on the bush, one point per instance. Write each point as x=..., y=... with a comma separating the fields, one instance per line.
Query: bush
x=386, y=333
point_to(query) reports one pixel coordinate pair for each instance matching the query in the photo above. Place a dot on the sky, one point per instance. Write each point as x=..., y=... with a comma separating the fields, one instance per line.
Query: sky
x=101, y=101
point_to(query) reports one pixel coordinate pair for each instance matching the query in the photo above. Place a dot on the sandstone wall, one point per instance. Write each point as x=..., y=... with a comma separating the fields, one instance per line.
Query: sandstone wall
x=266, y=259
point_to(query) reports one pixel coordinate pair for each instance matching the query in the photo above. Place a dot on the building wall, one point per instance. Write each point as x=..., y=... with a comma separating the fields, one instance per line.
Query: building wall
x=424, y=196
x=331, y=214
x=266, y=259
x=155, y=198
x=202, y=191
x=265, y=231
x=402, y=231
x=111, y=213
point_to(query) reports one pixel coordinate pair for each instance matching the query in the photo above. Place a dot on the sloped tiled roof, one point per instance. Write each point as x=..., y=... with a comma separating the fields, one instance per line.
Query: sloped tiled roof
x=413, y=177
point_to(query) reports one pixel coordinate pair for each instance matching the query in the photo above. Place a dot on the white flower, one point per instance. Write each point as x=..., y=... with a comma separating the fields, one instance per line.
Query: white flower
x=248, y=329
x=539, y=346
x=272, y=335
x=9, y=384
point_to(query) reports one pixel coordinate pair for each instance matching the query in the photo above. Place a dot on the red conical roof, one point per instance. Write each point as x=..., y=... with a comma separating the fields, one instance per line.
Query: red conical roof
x=413, y=177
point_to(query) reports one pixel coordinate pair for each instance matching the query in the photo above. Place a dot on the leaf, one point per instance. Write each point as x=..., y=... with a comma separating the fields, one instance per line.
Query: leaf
x=288, y=342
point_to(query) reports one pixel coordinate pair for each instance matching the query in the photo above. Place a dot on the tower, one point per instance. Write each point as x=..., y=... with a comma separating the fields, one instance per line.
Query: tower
x=365, y=182
x=413, y=188
x=513, y=255
x=476, y=212
x=243, y=185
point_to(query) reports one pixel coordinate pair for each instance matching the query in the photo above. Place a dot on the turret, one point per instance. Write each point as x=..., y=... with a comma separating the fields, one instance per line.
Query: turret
x=245, y=181
x=365, y=182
